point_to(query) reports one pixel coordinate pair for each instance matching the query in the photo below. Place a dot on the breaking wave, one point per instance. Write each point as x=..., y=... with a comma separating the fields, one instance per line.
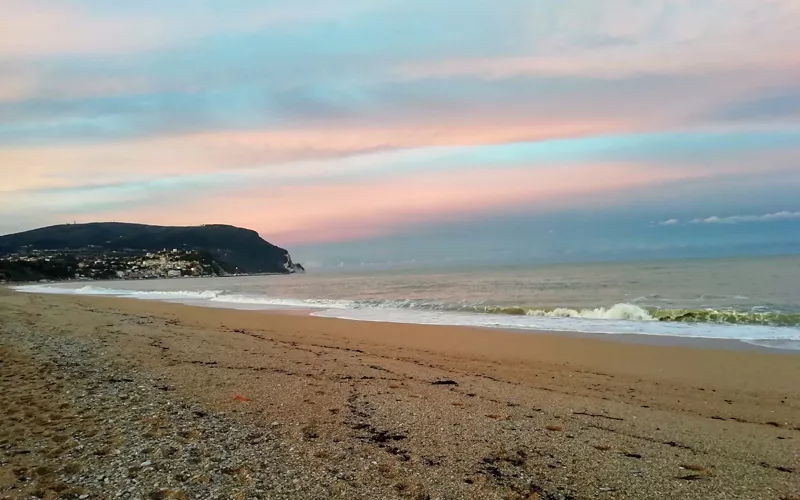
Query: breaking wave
x=617, y=312
x=633, y=312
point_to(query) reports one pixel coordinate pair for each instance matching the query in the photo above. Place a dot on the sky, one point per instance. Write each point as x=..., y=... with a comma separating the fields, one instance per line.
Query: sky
x=400, y=132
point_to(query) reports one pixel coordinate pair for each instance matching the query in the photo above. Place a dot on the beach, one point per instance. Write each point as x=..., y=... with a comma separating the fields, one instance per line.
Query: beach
x=120, y=398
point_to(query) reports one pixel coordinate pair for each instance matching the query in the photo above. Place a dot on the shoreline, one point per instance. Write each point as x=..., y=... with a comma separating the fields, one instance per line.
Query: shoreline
x=630, y=338
x=423, y=336
x=349, y=409
x=625, y=338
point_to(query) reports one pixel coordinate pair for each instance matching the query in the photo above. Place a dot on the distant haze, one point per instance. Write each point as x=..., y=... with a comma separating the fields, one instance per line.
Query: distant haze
x=380, y=133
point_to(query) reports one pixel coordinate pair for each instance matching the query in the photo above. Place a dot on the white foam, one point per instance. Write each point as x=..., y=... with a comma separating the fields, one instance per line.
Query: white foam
x=202, y=297
x=618, y=311
x=146, y=295
x=275, y=302
x=791, y=345
x=41, y=289
x=569, y=324
x=618, y=319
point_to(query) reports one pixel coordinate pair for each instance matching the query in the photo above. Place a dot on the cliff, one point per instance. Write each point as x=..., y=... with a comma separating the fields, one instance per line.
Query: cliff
x=234, y=249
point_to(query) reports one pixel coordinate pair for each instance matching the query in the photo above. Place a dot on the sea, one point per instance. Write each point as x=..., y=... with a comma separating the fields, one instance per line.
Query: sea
x=750, y=300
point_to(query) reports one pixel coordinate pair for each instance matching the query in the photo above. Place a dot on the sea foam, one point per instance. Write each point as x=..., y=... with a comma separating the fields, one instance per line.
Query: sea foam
x=760, y=328
x=618, y=311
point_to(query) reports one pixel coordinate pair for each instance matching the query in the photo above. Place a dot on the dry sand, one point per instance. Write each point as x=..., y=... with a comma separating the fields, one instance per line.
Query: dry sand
x=119, y=398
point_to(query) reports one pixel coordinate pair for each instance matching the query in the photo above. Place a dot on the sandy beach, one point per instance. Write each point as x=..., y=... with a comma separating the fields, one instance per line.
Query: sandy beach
x=121, y=398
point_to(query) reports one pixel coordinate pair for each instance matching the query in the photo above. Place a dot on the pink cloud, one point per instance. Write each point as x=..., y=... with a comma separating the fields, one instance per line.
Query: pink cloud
x=620, y=38
x=616, y=63
x=192, y=154
x=302, y=214
x=53, y=28
x=30, y=29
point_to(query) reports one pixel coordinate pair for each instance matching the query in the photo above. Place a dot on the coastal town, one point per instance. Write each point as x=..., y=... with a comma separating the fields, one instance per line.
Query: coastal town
x=99, y=264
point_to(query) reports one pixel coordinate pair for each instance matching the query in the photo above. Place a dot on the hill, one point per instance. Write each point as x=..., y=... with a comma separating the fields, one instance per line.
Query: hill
x=234, y=249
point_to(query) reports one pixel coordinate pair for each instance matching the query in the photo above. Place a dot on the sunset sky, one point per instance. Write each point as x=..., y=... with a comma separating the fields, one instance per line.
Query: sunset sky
x=368, y=132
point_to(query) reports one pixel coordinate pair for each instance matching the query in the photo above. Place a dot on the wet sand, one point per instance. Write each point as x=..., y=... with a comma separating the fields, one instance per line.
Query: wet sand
x=344, y=409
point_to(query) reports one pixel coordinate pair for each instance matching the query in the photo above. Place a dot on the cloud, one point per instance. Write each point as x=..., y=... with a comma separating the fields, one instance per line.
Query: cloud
x=669, y=222
x=36, y=30
x=308, y=156
x=336, y=119
x=249, y=106
x=268, y=156
x=69, y=165
x=223, y=73
x=52, y=28
x=326, y=211
x=202, y=70
x=628, y=64
x=781, y=104
x=735, y=219
x=649, y=37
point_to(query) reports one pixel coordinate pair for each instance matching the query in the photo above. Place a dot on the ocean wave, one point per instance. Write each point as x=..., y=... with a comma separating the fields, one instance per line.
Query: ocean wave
x=758, y=326
x=761, y=335
x=632, y=312
x=620, y=312
x=732, y=317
